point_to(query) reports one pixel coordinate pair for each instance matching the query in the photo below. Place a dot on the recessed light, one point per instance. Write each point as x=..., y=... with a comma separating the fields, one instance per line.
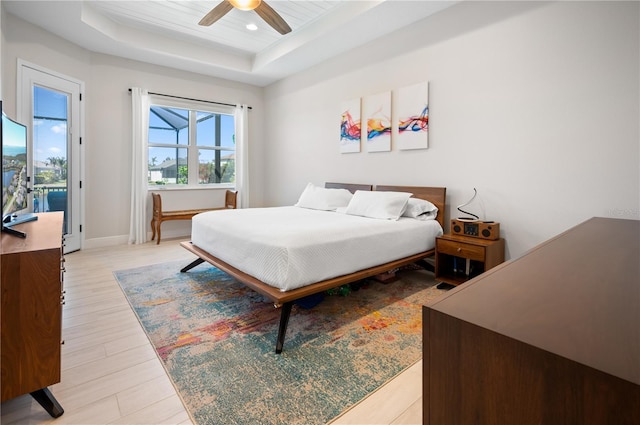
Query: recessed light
x=252, y=27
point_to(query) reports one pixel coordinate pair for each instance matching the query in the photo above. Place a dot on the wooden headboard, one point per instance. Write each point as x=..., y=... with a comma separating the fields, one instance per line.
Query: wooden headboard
x=351, y=187
x=435, y=195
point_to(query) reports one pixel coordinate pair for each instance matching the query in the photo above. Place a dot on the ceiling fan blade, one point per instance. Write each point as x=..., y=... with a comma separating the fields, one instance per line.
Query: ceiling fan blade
x=272, y=18
x=216, y=13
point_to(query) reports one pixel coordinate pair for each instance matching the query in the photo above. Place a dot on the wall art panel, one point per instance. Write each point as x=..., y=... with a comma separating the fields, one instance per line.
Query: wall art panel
x=413, y=116
x=377, y=111
x=350, y=126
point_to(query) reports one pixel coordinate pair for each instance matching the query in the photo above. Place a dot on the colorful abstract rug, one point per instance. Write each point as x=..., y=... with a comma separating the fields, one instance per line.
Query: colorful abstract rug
x=217, y=340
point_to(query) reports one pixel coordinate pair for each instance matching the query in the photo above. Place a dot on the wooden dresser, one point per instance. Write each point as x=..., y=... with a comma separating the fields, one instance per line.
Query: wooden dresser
x=32, y=299
x=552, y=337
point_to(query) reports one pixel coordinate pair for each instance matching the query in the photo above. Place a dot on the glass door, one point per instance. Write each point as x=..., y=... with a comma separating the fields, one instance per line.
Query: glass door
x=51, y=108
x=50, y=141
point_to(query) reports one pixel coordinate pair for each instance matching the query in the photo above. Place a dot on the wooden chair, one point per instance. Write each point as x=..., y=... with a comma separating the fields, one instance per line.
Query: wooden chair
x=230, y=200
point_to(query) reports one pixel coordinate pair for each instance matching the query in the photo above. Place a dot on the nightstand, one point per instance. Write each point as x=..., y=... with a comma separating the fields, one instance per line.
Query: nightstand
x=460, y=258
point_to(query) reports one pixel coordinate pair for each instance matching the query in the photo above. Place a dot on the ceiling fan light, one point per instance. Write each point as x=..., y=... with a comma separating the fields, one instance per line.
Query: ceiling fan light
x=245, y=4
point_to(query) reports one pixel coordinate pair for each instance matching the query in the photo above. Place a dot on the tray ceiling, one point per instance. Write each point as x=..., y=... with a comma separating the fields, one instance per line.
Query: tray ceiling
x=167, y=32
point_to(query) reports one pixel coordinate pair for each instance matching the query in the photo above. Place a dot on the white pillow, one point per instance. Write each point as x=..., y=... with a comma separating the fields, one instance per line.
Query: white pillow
x=420, y=209
x=320, y=198
x=383, y=205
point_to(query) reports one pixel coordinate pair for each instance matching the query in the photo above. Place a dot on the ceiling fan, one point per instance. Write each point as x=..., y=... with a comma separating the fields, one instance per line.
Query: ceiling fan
x=265, y=11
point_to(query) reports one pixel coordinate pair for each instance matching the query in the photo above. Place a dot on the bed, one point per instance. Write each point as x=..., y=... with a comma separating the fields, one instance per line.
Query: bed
x=285, y=267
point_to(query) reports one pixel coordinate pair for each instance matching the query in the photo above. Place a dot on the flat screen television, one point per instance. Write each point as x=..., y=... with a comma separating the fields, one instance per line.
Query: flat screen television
x=15, y=182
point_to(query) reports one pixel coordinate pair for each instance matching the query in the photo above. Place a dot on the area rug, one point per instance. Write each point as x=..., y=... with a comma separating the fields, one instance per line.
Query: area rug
x=216, y=339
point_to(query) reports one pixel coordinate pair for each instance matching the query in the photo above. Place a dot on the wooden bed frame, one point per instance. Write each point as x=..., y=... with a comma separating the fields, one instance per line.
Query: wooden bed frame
x=285, y=300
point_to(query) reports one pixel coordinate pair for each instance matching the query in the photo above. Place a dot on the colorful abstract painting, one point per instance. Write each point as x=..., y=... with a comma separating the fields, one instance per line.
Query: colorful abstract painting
x=377, y=110
x=350, y=126
x=412, y=105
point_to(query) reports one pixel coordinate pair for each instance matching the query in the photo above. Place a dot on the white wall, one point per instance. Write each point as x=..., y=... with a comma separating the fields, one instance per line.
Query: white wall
x=536, y=105
x=107, y=138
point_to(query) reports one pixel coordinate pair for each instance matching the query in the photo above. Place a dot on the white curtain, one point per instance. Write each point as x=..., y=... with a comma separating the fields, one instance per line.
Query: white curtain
x=140, y=135
x=242, y=155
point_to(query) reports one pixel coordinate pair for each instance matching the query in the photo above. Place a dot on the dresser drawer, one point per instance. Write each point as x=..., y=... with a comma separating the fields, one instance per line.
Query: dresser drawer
x=461, y=249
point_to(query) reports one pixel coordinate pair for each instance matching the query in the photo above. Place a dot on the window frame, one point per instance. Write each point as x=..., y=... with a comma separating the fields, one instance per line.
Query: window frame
x=193, y=107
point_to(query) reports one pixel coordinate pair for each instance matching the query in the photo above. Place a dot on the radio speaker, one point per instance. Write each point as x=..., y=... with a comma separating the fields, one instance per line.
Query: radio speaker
x=476, y=229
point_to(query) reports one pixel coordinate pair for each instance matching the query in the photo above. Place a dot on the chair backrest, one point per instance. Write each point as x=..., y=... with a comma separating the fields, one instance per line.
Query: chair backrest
x=230, y=199
x=157, y=204
x=57, y=200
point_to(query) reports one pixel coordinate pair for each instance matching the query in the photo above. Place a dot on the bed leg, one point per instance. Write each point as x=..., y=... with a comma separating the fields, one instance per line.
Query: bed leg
x=192, y=265
x=284, y=321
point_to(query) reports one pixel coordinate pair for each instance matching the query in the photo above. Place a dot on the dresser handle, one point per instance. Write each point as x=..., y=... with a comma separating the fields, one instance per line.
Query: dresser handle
x=459, y=249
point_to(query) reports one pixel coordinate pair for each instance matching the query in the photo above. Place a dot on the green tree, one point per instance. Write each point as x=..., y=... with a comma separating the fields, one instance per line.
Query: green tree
x=46, y=177
x=60, y=164
x=183, y=174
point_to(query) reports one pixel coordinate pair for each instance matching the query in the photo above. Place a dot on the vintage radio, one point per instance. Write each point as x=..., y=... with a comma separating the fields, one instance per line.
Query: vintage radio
x=476, y=228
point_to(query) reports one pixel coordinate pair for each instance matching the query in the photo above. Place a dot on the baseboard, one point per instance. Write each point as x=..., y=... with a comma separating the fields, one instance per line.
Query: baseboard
x=104, y=242
x=124, y=239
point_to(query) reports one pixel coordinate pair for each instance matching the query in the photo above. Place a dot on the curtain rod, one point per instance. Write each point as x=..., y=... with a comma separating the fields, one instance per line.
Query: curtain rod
x=189, y=98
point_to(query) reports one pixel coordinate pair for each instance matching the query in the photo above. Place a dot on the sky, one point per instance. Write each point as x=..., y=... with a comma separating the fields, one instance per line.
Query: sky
x=49, y=135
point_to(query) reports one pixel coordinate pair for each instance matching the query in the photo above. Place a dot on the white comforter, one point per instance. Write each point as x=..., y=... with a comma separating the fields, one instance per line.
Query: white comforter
x=290, y=247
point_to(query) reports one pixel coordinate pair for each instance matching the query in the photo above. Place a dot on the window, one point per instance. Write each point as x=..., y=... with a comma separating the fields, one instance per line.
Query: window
x=191, y=146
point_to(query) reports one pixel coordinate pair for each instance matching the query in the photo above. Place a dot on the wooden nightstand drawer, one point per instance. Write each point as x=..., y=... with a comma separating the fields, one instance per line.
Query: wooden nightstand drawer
x=460, y=258
x=473, y=252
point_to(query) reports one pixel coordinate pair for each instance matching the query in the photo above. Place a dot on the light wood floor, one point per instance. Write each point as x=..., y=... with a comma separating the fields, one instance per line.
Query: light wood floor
x=111, y=374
